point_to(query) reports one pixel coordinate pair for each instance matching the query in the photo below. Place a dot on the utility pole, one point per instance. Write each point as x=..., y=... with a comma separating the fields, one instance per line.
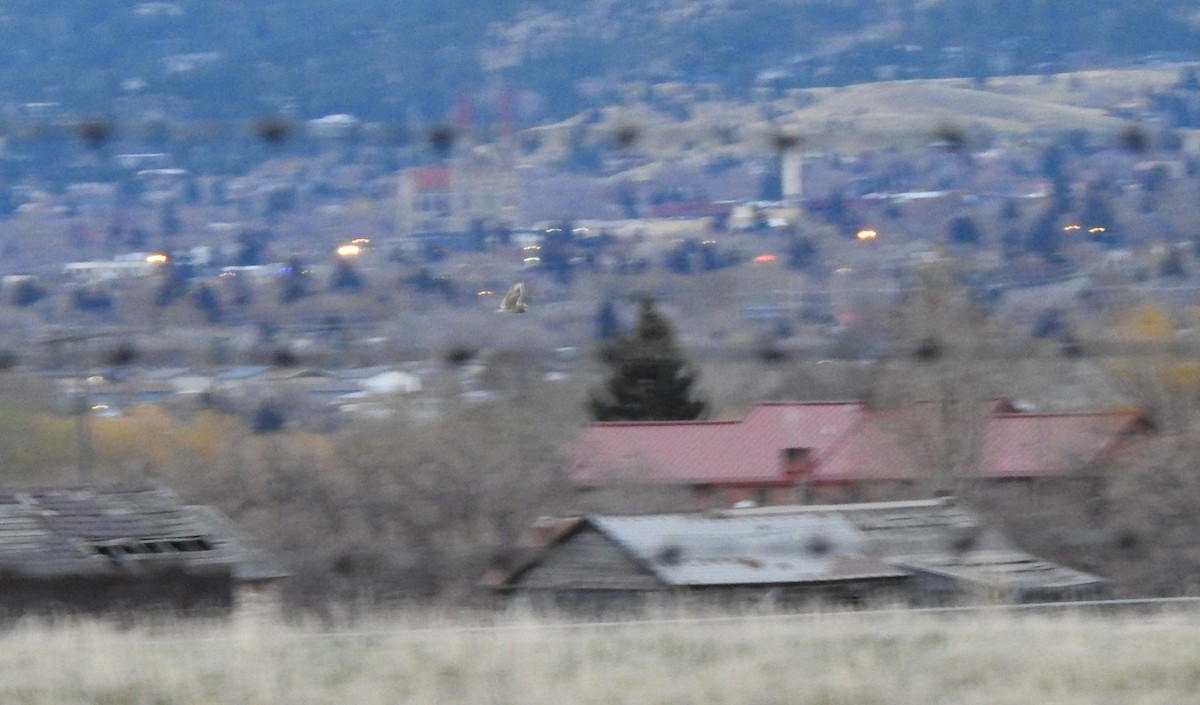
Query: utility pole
x=79, y=403
x=82, y=408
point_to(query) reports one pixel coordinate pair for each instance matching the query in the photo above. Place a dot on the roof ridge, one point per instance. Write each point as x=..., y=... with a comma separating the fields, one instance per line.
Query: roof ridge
x=677, y=422
x=596, y=521
x=1064, y=414
x=853, y=403
x=823, y=402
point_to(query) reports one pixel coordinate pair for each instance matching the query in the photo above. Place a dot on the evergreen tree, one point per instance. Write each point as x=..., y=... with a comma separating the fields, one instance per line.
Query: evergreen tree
x=169, y=224
x=963, y=230
x=1009, y=213
x=1172, y=263
x=206, y=301
x=345, y=277
x=608, y=326
x=269, y=417
x=1044, y=238
x=679, y=259
x=251, y=247
x=176, y=282
x=28, y=292
x=293, y=281
x=649, y=378
x=558, y=248
x=91, y=299
x=1097, y=217
x=800, y=252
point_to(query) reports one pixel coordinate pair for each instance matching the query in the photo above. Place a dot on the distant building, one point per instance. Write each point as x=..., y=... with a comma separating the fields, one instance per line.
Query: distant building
x=336, y=126
x=690, y=209
x=792, y=174
x=133, y=266
x=478, y=186
x=426, y=200
x=144, y=160
x=186, y=63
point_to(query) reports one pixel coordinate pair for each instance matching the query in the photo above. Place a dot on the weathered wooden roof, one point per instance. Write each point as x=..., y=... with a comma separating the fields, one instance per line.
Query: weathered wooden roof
x=789, y=545
x=111, y=528
x=942, y=536
x=1010, y=571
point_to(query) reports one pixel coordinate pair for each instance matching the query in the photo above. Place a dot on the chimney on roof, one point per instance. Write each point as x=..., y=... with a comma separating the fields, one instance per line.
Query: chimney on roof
x=797, y=462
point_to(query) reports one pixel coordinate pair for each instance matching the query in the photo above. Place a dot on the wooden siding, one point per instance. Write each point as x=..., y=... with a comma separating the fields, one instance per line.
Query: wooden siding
x=588, y=561
x=159, y=591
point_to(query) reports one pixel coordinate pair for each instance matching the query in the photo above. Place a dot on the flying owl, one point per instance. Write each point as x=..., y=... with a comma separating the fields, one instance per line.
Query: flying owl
x=514, y=300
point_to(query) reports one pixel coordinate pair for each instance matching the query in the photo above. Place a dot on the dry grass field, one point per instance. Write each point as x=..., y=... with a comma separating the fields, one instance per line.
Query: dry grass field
x=888, y=113
x=896, y=658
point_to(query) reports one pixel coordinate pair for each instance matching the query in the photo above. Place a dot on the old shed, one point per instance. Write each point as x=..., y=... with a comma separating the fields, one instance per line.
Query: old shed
x=924, y=551
x=783, y=558
x=133, y=548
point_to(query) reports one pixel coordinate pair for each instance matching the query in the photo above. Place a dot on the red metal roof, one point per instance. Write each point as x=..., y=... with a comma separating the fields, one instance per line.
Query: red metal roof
x=892, y=445
x=747, y=451
x=1027, y=445
x=429, y=179
x=690, y=209
x=847, y=441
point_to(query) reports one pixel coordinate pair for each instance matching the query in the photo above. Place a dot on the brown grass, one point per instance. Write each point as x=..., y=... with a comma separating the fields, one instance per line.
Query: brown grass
x=896, y=658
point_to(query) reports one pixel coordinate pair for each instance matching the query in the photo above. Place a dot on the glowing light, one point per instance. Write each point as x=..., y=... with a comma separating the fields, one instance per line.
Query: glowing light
x=361, y=241
x=1070, y=228
x=349, y=250
x=156, y=258
x=866, y=235
x=1096, y=230
x=484, y=292
x=764, y=258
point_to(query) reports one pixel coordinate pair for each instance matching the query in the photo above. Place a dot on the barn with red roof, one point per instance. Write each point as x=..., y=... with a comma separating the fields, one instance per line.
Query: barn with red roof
x=789, y=451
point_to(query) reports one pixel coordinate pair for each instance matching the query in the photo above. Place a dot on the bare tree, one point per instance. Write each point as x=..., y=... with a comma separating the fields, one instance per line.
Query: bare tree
x=452, y=493
x=1150, y=520
x=412, y=507
x=939, y=390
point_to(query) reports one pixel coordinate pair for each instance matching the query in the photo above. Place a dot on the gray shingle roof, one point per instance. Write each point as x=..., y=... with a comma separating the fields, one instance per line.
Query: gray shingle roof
x=694, y=549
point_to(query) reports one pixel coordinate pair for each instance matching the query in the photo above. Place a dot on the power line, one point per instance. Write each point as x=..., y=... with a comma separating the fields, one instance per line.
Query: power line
x=1107, y=606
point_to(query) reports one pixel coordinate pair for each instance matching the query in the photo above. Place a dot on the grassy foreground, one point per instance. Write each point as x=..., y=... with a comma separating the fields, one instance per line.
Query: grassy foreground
x=849, y=659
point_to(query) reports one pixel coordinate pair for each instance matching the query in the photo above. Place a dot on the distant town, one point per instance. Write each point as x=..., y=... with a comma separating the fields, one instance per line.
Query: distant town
x=345, y=254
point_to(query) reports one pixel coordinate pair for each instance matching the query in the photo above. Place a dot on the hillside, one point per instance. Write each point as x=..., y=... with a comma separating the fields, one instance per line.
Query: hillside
x=222, y=59
x=859, y=117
